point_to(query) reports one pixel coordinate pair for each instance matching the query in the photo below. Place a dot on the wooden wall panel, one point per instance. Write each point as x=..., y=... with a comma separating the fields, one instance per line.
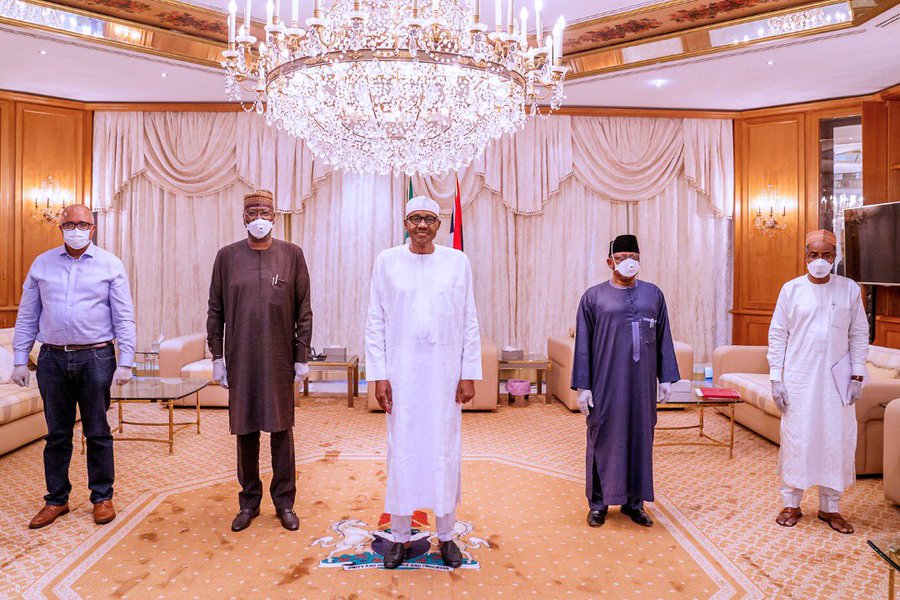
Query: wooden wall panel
x=49, y=142
x=7, y=213
x=888, y=331
x=769, y=150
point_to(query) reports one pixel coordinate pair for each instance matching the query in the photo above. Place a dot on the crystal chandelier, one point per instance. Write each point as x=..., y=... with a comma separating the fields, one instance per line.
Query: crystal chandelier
x=392, y=85
x=803, y=20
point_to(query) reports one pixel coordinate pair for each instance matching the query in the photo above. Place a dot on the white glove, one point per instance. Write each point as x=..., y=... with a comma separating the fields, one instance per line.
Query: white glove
x=220, y=375
x=665, y=392
x=21, y=376
x=585, y=401
x=854, y=392
x=301, y=372
x=122, y=375
x=779, y=395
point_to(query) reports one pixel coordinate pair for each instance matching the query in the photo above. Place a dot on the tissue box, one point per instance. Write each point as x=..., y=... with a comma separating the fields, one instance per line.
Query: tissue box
x=512, y=354
x=337, y=353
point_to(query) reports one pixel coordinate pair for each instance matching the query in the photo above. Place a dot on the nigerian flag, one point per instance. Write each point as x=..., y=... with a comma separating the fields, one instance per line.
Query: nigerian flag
x=409, y=196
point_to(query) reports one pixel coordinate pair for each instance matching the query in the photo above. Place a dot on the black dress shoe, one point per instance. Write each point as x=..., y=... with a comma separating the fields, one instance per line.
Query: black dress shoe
x=638, y=516
x=394, y=556
x=288, y=519
x=243, y=518
x=451, y=554
x=596, y=518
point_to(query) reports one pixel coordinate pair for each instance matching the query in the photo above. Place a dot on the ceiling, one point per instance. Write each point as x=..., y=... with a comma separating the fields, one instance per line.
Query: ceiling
x=852, y=62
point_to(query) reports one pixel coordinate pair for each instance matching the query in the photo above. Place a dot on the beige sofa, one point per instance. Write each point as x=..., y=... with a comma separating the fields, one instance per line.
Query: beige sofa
x=21, y=409
x=746, y=369
x=561, y=352
x=892, y=451
x=185, y=356
x=486, y=391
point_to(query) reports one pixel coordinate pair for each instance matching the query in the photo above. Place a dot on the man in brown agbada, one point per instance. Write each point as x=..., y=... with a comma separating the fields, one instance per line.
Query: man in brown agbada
x=259, y=327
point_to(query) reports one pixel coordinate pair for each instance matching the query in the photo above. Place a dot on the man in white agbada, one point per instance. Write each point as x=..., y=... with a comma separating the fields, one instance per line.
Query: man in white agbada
x=818, y=344
x=423, y=353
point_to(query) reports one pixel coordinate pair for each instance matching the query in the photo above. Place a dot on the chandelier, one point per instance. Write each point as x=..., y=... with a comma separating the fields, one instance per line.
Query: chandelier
x=803, y=20
x=396, y=85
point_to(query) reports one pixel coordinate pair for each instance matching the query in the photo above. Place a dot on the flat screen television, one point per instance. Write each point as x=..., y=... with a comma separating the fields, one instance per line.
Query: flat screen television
x=871, y=239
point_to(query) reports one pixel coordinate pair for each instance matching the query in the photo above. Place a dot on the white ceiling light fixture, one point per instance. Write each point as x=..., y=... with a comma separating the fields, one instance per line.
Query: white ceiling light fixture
x=659, y=82
x=43, y=52
x=164, y=75
x=397, y=85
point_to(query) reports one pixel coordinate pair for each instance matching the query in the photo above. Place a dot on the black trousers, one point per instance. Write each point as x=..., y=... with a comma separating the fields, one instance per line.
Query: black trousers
x=284, y=467
x=68, y=380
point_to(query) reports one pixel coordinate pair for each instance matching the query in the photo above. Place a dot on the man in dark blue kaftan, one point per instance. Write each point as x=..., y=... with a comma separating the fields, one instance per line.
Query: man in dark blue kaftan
x=623, y=347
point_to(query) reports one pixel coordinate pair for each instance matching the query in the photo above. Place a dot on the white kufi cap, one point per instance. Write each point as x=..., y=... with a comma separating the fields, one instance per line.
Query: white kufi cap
x=423, y=203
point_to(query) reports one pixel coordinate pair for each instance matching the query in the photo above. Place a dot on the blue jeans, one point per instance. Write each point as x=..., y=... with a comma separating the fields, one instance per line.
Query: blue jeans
x=77, y=379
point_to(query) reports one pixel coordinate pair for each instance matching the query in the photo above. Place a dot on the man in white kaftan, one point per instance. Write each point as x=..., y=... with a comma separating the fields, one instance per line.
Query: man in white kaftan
x=423, y=353
x=818, y=344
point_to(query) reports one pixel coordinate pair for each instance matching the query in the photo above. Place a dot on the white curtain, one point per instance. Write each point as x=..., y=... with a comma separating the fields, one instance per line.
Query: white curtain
x=539, y=210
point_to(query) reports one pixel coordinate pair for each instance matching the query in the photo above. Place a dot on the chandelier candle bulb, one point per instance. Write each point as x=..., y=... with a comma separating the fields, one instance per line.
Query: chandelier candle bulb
x=523, y=16
x=558, y=39
x=247, y=10
x=510, y=6
x=538, y=7
x=270, y=9
x=548, y=45
x=498, y=14
x=295, y=13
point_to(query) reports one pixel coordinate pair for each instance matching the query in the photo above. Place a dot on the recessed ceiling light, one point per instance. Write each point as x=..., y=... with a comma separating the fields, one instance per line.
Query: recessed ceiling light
x=658, y=82
x=771, y=62
x=43, y=52
x=165, y=75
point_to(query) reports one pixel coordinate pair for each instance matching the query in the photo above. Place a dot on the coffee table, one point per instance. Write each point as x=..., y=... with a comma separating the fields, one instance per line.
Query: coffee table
x=538, y=362
x=350, y=365
x=889, y=550
x=164, y=391
x=700, y=405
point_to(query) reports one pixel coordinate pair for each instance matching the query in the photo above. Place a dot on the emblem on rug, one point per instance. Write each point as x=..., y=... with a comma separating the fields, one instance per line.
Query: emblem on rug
x=355, y=545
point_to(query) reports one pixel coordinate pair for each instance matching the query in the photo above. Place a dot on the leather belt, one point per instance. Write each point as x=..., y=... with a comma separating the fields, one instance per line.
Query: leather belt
x=76, y=347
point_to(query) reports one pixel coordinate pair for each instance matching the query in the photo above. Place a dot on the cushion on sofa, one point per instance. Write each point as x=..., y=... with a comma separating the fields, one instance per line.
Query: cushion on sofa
x=876, y=373
x=886, y=358
x=201, y=369
x=755, y=389
x=6, y=365
x=17, y=402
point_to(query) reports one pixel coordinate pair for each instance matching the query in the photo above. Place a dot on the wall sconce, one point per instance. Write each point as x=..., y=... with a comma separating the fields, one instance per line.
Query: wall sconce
x=769, y=224
x=49, y=202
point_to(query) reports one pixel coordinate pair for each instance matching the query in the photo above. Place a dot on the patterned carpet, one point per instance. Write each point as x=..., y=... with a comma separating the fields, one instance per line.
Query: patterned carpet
x=715, y=535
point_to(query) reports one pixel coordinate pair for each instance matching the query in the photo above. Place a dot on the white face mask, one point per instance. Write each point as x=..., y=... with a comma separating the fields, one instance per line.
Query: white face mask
x=77, y=239
x=628, y=268
x=819, y=268
x=260, y=228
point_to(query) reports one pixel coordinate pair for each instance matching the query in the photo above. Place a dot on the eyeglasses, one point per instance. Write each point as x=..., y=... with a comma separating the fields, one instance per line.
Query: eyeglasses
x=252, y=213
x=417, y=219
x=81, y=225
x=829, y=256
x=621, y=257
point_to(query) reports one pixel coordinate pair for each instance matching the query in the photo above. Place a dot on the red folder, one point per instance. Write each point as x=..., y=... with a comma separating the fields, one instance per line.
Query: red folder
x=718, y=393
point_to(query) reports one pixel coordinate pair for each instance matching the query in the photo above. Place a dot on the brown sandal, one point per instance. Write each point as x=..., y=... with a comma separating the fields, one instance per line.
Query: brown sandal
x=836, y=522
x=788, y=516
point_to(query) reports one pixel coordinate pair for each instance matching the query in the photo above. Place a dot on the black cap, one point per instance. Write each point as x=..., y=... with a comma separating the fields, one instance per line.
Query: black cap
x=624, y=243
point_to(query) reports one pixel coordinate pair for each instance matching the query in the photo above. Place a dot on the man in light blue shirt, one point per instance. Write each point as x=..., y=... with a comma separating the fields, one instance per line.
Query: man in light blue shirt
x=76, y=301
